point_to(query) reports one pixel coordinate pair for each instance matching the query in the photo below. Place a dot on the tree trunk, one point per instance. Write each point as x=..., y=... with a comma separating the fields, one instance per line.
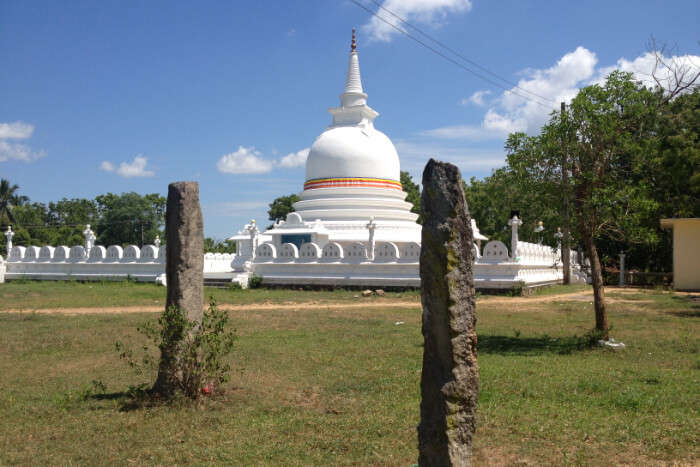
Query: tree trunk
x=601, y=315
x=566, y=251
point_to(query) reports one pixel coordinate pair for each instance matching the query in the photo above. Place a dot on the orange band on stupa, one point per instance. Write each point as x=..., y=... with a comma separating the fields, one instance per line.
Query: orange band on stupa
x=353, y=182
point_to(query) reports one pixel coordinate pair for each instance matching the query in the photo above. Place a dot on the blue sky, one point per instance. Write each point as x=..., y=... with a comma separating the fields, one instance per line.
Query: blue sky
x=130, y=96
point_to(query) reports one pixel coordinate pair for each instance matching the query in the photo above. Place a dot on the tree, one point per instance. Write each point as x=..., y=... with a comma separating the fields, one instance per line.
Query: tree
x=8, y=200
x=280, y=207
x=129, y=218
x=413, y=194
x=612, y=132
x=212, y=245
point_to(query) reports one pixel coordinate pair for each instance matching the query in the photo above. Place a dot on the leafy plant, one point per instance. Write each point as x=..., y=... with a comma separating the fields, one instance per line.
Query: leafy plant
x=201, y=365
x=254, y=281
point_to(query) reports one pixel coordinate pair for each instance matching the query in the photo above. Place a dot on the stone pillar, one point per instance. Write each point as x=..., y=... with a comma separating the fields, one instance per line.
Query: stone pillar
x=622, y=269
x=450, y=377
x=514, y=223
x=371, y=226
x=8, y=236
x=184, y=268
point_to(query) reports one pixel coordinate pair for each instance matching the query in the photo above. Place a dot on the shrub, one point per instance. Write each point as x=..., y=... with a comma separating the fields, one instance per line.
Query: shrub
x=202, y=348
x=254, y=281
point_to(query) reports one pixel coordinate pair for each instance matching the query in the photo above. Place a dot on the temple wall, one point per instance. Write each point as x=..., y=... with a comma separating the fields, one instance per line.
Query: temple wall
x=334, y=264
x=145, y=264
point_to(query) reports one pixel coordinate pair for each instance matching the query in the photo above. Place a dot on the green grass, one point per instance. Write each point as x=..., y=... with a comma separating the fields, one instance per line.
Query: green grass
x=341, y=387
x=28, y=295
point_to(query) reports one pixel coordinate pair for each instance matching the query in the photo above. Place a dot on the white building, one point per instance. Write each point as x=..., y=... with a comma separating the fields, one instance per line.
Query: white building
x=353, y=227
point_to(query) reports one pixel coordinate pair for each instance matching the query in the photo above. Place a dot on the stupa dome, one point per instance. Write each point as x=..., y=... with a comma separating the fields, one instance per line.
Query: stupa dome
x=351, y=152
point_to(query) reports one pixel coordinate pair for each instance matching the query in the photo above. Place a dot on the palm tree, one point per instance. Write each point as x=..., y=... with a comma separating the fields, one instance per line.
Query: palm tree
x=9, y=199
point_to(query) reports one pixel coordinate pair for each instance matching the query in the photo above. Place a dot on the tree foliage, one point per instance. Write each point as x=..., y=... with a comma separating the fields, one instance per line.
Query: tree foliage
x=129, y=218
x=116, y=219
x=280, y=207
x=623, y=156
x=413, y=194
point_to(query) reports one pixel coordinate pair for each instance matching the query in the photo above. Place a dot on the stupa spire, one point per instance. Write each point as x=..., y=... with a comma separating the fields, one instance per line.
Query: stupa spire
x=353, y=94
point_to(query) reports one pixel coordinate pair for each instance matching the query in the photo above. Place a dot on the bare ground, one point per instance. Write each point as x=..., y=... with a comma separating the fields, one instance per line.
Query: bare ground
x=360, y=303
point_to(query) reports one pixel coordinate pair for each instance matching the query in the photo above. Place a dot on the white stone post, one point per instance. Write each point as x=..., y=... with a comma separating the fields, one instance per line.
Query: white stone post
x=371, y=226
x=514, y=223
x=156, y=241
x=622, y=269
x=2, y=270
x=89, y=239
x=8, y=235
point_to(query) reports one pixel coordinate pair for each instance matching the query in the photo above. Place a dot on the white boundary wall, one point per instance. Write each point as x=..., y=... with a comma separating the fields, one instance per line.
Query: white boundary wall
x=332, y=265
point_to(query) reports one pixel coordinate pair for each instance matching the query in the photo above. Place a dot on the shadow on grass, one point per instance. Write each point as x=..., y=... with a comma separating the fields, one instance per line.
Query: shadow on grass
x=686, y=313
x=511, y=345
x=693, y=303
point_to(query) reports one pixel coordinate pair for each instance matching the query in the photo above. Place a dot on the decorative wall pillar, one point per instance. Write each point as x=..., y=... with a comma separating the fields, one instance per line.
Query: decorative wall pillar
x=371, y=226
x=156, y=241
x=8, y=235
x=514, y=223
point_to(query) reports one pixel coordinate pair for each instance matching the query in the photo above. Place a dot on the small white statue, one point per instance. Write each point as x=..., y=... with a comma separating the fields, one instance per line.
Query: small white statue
x=371, y=226
x=8, y=235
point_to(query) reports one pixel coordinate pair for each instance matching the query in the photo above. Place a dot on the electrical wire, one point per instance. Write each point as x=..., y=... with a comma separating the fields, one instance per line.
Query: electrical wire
x=449, y=49
x=449, y=59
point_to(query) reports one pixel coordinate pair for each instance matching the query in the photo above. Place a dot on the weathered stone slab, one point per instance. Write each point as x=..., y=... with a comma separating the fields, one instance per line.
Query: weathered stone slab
x=450, y=377
x=184, y=268
x=184, y=264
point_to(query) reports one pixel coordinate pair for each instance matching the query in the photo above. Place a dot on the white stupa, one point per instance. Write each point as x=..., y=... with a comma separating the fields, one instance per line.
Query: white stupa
x=352, y=181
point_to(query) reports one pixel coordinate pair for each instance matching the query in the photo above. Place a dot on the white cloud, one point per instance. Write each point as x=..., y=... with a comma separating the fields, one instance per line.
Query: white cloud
x=295, y=159
x=244, y=161
x=135, y=168
x=642, y=68
x=16, y=130
x=19, y=152
x=476, y=98
x=546, y=88
x=107, y=166
x=430, y=12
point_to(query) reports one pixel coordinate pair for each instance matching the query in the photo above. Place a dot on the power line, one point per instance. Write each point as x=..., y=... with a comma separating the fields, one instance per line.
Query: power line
x=449, y=59
x=429, y=37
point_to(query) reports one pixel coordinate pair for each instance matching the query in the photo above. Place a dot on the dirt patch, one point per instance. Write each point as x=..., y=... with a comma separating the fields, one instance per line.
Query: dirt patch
x=522, y=303
x=227, y=307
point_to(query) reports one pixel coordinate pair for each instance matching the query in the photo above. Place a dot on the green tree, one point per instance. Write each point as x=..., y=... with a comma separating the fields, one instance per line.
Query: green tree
x=9, y=198
x=280, y=207
x=129, y=218
x=413, y=194
x=212, y=245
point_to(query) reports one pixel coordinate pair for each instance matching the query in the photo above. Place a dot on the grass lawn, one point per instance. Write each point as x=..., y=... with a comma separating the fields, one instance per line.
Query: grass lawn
x=340, y=386
x=28, y=295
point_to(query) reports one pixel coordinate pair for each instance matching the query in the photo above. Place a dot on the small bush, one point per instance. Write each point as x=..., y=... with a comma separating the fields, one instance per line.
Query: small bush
x=254, y=282
x=200, y=362
x=235, y=286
